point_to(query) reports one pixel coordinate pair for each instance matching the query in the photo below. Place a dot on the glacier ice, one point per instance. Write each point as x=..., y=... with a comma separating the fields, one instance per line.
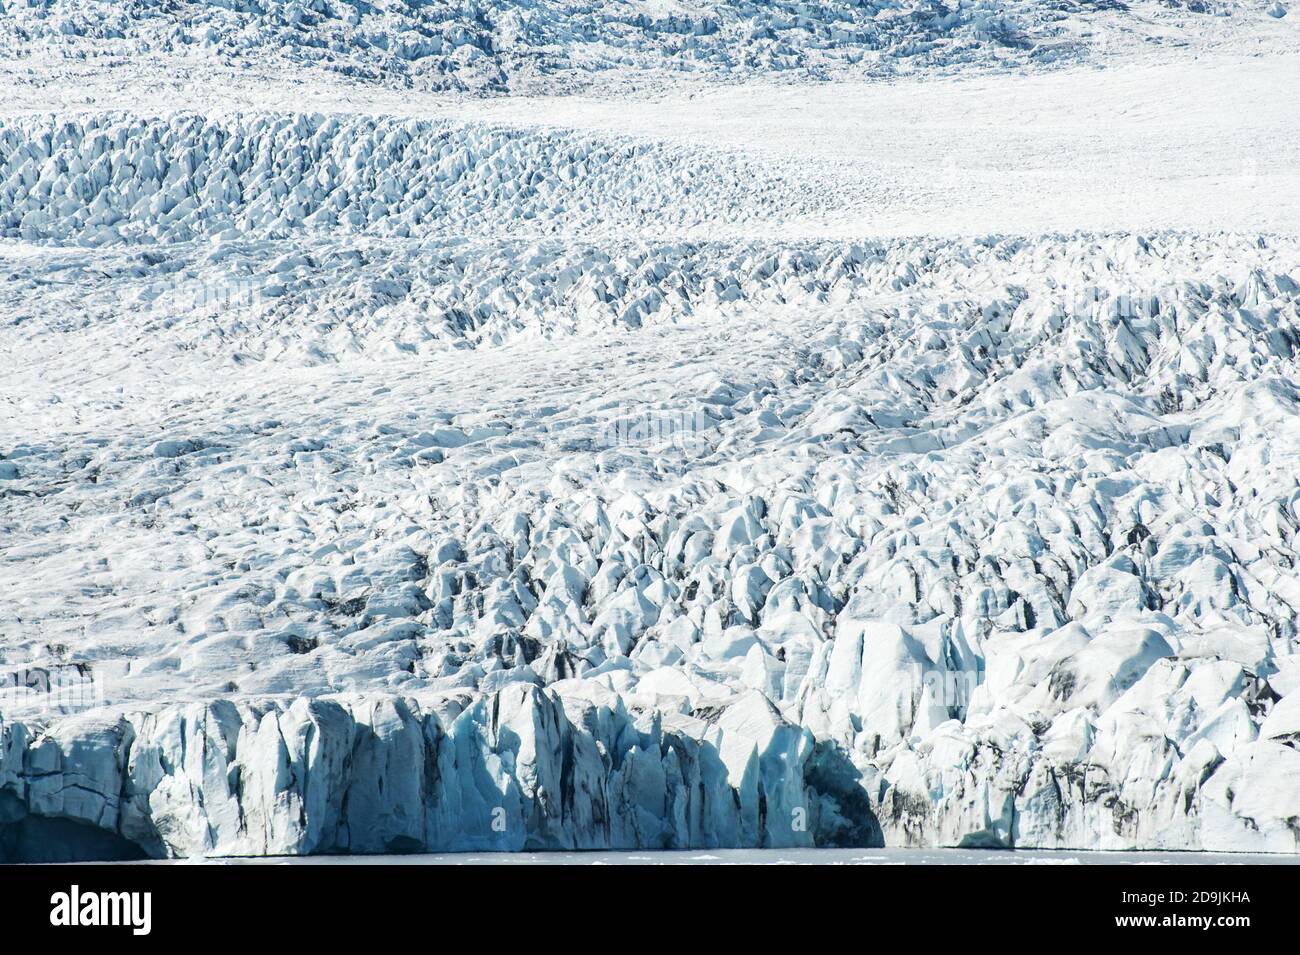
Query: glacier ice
x=496, y=46
x=389, y=483
x=1018, y=567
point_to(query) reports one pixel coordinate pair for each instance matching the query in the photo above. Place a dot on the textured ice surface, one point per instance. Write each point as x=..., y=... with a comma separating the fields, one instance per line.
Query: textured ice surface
x=387, y=483
x=118, y=179
x=555, y=45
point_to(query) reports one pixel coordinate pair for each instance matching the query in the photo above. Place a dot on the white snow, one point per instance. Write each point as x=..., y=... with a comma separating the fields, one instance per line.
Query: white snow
x=823, y=456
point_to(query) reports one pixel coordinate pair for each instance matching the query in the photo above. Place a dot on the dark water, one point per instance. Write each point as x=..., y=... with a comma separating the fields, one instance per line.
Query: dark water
x=790, y=857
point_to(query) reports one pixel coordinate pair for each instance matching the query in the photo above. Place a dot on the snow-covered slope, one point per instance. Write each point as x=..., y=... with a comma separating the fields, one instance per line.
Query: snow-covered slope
x=554, y=475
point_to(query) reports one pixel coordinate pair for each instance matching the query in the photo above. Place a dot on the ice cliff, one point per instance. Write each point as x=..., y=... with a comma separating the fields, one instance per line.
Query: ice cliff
x=521, y=768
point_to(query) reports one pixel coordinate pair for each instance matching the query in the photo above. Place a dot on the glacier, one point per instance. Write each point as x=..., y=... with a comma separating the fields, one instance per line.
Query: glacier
x=524, y=456
x=496, y=46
